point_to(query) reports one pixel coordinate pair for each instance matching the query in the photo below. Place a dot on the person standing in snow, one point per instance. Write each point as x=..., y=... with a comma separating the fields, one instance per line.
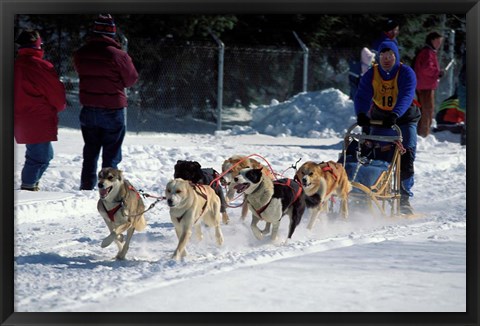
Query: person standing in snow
x=386, y=92
x=105, y=70
x=39, y=96
x=358, y=69
x=427, y=70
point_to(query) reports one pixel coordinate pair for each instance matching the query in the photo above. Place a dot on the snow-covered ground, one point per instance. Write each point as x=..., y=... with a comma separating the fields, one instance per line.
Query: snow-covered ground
x=365, y=264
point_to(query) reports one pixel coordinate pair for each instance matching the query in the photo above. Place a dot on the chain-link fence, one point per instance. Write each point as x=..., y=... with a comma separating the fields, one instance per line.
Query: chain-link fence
x=178, y=83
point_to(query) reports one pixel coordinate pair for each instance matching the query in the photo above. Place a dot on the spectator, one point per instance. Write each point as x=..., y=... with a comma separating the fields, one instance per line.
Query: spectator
x=386, y=92
x=358, y=69
x=105, y=70
x=39, y=96
x=428, y=73
x=390, y=31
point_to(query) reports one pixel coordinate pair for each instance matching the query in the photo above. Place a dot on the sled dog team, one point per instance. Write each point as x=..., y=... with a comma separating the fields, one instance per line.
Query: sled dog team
x=195, y=195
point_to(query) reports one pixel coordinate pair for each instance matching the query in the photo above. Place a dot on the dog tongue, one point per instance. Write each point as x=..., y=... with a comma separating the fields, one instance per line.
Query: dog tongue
x=241, y=187
x=103, y=192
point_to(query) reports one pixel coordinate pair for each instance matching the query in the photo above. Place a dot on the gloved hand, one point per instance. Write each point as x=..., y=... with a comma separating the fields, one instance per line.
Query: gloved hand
x=390, y=120
x=363, y=120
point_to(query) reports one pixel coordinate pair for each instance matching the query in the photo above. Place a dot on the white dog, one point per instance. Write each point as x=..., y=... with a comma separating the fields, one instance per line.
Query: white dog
x=189, y=203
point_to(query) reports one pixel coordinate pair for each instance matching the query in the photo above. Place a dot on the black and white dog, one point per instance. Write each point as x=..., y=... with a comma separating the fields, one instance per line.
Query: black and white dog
x=270, y=200
x=193, y=171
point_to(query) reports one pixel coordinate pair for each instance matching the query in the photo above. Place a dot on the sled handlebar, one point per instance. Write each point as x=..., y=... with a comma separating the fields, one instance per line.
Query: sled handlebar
x=362, y=136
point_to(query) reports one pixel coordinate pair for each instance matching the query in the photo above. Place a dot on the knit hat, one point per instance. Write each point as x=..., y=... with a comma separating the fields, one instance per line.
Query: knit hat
x=389, y=25
x=104, y=24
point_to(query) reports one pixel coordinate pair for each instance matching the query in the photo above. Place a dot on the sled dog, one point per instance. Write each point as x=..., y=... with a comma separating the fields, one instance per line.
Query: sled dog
x=320, y=182
x=121, y=207
x=192, y=171
x=234, y=165
x=270, y=200
x=189, y=203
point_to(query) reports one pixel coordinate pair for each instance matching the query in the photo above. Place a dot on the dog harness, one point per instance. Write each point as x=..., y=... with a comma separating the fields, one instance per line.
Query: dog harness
x=201, y=193
x=328, y=168
x=111, y=213
x=286, y=183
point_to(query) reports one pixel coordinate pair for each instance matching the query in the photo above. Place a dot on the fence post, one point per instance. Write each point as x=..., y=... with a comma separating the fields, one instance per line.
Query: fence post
x=451, y=50
x=305, y=61
x=221, y=52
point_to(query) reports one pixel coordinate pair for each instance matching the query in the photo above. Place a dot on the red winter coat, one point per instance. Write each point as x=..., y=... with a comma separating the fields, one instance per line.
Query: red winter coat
x=39, y=96
x=104, y=70
x=427, y=69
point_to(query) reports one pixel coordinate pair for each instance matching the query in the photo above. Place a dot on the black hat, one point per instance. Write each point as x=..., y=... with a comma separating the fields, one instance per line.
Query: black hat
x=389, y=25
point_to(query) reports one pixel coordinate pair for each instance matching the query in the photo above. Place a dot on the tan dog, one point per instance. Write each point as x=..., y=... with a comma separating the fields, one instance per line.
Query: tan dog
x=121, y=207
x=189, y=203
x=234, y=165
x=320, y=181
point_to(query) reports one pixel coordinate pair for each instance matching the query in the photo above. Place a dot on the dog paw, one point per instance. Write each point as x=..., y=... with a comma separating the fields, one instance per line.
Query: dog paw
x=225, y=218
x=108, y=240
x=258, y=235
x=176, y=257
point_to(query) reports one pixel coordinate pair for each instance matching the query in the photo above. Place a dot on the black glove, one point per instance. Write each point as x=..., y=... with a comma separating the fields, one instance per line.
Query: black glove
x=390, y=120
x=363, y=120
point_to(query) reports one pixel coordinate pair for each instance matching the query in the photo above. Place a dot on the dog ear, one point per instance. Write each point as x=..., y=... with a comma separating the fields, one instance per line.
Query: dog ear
x=254, y=175
x=196, y=165
x=120, y=175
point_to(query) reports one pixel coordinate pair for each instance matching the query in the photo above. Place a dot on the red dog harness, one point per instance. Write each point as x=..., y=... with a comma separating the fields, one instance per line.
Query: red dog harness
x=111, y=213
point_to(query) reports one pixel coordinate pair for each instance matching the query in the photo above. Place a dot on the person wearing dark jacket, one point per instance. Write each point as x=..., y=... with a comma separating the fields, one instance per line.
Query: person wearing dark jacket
x=39, y=96
x=387, y=92
x=105, y=70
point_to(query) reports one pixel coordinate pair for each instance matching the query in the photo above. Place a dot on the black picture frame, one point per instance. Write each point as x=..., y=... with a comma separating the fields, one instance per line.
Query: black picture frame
x=11, y=7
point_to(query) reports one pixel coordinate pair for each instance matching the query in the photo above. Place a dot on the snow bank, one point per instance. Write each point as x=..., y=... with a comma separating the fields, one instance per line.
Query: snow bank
x=322, y=114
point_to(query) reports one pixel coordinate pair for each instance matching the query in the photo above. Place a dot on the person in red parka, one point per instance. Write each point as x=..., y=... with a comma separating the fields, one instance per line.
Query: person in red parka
x=428, y=72
x=105, y=70
x=38, y=95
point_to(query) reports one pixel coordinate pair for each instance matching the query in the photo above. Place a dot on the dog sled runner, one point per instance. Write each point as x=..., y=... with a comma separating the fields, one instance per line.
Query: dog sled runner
x=372, y=163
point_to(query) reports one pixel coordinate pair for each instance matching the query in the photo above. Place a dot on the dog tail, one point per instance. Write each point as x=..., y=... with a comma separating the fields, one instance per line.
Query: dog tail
x=297, y=212
x=140, y=223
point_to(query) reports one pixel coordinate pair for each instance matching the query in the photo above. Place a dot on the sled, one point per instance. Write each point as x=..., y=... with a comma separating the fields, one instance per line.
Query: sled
x=372, y=163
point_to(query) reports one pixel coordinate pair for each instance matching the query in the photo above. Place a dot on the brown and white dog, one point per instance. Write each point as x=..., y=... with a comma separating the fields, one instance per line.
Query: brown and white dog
x=189, y=203
x=234, y=165
x=121, y=207
x=320, y=182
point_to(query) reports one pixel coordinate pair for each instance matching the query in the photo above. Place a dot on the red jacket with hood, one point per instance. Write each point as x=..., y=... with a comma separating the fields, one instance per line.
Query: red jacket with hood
x=39, y=96
x=104, y=70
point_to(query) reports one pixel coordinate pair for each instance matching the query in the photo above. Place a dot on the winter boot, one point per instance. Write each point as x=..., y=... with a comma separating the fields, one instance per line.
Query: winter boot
x=405, y=207
x=34, y=188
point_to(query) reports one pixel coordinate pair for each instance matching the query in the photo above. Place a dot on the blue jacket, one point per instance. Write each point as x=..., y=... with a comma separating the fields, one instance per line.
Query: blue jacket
x=406, y=84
